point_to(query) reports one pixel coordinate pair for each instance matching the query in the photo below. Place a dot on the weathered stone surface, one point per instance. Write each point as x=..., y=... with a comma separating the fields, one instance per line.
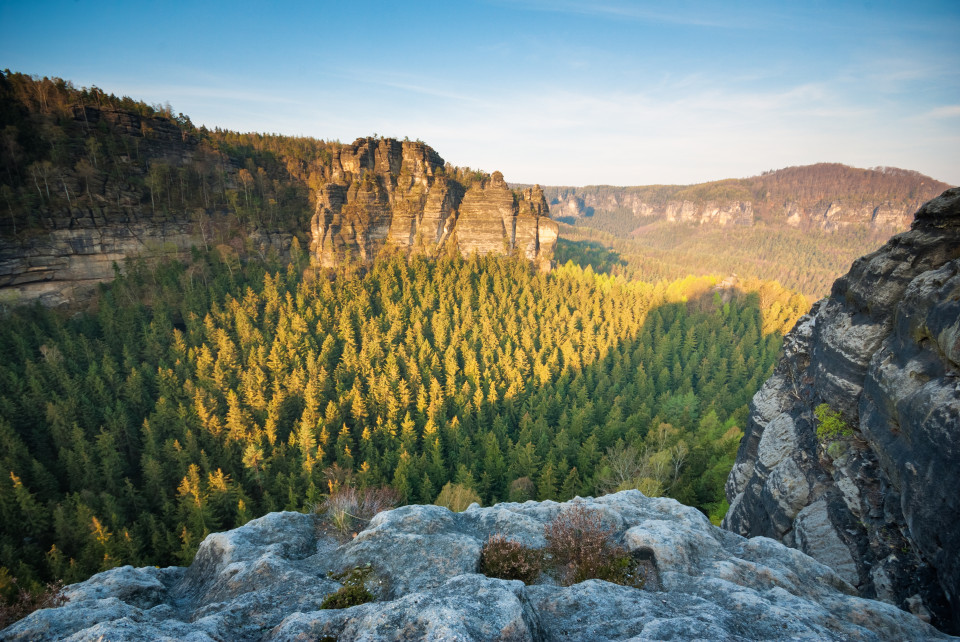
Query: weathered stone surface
x=883, y=349
x=722, y=214
x=266, y=580
x=392, y=196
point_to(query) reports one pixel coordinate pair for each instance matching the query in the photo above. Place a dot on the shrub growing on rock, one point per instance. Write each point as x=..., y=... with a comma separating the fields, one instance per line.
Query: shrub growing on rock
x=830, y=424
x=354, y=590
x=581, y=547
x=510, y=560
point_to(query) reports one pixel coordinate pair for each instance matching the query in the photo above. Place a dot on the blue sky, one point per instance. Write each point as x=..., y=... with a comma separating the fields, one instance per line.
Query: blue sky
x=563, y=92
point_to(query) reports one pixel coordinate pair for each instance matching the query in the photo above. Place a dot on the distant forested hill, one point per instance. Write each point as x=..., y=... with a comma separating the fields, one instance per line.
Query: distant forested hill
x=828, y=196
x=802, y=226
x=70, y=152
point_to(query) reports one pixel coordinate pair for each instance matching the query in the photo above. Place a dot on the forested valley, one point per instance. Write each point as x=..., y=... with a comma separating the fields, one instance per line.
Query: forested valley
x=198, y=394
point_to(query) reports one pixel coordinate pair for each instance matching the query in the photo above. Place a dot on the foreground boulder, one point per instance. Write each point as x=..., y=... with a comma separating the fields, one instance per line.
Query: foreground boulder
x=267, y=580
x=879, y=505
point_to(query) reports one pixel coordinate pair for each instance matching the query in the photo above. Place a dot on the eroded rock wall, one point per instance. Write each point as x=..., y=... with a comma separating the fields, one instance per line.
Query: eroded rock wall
x=391, y=196
x=829, y=217
x=63, y=264
x=59, y=266
x=881, y=506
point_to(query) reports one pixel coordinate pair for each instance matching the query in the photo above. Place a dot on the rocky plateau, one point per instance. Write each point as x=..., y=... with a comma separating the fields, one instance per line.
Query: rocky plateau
x=880, y=505
x=267, y=579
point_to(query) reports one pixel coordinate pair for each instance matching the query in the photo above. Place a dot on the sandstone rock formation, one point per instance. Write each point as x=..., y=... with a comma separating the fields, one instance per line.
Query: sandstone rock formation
x=92, y=179
x=881, y=506
x=267, y=579
x=390, y=195
x=383, y=194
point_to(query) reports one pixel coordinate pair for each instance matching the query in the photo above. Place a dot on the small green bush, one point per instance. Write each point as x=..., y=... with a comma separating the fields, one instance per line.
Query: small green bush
x=456, y=497
x=510, y=560
x=581, y=547
x=353, y=591
x=830, y=424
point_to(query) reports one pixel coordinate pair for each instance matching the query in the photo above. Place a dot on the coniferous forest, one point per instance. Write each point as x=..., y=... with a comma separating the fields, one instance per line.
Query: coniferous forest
x=199, y=390
x=198, y=394
x=613, y=311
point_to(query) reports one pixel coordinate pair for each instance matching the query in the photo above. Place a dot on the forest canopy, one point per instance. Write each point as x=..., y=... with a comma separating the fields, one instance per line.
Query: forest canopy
x=199, y=394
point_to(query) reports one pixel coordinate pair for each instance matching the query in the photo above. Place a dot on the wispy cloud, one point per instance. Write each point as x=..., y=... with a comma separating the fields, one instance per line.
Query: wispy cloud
x=947, y=111
x=679, y=13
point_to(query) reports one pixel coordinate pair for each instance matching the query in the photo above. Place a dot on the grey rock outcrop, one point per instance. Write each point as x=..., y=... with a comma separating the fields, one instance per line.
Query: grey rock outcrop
x=267, y=579
x=880, y=507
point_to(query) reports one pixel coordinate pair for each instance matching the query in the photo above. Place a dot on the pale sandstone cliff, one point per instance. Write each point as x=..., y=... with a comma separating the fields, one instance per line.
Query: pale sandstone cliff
x=881, y=507
x=387, y=195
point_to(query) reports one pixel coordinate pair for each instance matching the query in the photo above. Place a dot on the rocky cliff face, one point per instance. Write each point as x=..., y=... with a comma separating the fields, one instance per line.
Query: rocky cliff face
x=828, y=197
x=879, y=506
x=267, y=579
x=382, y=194
x=829, y=216
x=389, y=195
x=576, y=205
x=65, y=263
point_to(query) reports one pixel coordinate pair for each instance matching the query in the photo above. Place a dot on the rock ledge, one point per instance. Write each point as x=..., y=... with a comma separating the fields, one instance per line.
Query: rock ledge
x=266, y=580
